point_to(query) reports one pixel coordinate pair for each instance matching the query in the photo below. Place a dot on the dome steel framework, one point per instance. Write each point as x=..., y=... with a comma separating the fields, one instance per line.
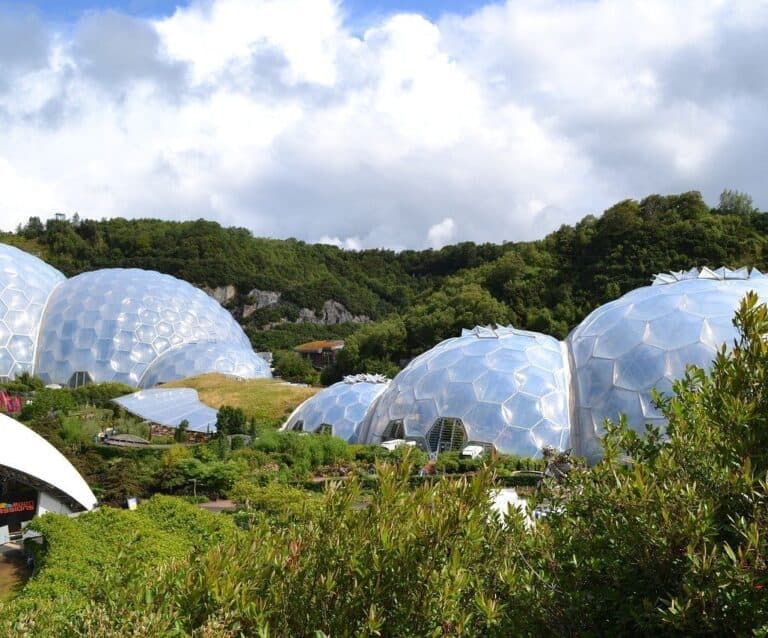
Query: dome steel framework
x=134, y=326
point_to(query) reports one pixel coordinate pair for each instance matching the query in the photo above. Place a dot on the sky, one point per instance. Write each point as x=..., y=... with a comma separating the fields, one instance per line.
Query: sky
x=364, y=123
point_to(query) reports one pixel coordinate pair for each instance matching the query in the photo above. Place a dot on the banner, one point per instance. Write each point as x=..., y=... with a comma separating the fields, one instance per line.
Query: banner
x=17, y=508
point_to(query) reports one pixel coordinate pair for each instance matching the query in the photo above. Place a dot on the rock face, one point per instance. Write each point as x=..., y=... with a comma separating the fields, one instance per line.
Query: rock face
x=264, y=298
x=222, y=294
x=332, y=313
x=307, y=316
x=261, y=299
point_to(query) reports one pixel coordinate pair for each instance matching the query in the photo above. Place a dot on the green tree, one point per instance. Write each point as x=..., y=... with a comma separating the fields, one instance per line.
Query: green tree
x=230, y=420
x=180, y=435
x=295, y=368
x=733, y=202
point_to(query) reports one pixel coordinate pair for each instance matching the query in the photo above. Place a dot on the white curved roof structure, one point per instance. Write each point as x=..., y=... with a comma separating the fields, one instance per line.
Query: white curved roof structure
x=28, y=454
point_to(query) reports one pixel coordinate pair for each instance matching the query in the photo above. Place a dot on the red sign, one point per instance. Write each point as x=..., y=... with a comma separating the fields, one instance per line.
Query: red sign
x=14, y=511
x=18, y=506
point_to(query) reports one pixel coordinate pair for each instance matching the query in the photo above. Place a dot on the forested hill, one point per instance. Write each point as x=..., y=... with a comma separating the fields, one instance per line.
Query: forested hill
x=416, y=298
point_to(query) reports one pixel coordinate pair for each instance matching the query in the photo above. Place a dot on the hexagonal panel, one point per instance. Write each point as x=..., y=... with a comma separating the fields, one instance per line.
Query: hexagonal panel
x=640, y=368
x=483, y=388
x=121, y=322
x=619, y=339
x=341, y=405
x=26, y=282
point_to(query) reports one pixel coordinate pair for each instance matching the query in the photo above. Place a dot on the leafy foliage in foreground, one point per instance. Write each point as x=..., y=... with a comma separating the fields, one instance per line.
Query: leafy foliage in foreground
x=88, y=561
x=669, y=543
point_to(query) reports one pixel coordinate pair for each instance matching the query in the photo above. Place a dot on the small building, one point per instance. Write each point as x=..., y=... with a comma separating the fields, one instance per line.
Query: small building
x=35, y=478
x=320, y=354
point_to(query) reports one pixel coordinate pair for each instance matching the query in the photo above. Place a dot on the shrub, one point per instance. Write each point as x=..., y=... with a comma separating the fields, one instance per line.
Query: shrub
x=664, y=537
x=230, y=421
x=295, y=368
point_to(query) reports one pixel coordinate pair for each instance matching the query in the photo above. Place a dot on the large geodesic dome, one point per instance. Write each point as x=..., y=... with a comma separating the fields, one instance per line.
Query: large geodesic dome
x=500, y=387
x=338, y=409
x=113, y=324
x=135, y=326
x=645, y=340
x=26, y=282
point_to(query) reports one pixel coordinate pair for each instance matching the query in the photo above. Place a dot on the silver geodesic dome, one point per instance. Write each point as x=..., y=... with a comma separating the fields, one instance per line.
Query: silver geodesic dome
x=26, y=283
x=113, y=324
x=201, y=358
x=645, y=340
x=339, y=407
x=502, y=387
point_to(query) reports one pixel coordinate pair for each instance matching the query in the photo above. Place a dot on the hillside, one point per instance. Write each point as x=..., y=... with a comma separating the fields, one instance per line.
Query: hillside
x=390, y=306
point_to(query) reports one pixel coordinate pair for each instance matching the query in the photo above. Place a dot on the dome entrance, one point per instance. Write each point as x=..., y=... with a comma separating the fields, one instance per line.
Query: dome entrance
x=394, y=430
x=446, y=435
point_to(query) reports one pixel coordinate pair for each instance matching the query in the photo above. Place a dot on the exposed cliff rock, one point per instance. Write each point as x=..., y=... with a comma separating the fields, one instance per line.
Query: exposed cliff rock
x=332, y=313
x=261, y=299
x=222, y=294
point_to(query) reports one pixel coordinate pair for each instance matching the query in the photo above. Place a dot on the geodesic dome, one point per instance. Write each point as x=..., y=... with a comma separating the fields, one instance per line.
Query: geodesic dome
x=504, y=387
x=26, y=282
x=340, y=407
x=113, y=324
x=645, y=340
x=201, y=358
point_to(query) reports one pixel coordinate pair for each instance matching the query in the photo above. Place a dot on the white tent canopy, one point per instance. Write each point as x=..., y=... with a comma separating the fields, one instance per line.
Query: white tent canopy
x=26, y=452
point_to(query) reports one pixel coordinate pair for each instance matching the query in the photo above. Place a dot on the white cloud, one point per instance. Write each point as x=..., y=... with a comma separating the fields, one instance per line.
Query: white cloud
x=349, y=243
x=441, y=234
x=272, y=114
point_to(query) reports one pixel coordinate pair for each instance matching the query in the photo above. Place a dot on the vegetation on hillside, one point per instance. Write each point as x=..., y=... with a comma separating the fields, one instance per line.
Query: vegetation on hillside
x=418, y=298
x=664, y=537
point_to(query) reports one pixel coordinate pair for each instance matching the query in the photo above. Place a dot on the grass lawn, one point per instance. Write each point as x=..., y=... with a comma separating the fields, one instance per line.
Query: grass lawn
x=268, y=400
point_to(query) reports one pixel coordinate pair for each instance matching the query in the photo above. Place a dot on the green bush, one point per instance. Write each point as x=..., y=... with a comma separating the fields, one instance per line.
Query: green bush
x=47, y=401
x=103, y=555
x=275, y=502
x=664, y=537
x=303, y=452
x=295, y=368
x=230, y=420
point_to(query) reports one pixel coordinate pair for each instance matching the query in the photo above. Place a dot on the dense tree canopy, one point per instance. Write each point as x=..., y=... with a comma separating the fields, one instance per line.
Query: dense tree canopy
x=418, y=298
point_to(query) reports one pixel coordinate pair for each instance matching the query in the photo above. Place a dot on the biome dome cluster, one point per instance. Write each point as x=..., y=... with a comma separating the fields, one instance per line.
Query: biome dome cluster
x=519, y=391
x=496, y=388
x=132, y=326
